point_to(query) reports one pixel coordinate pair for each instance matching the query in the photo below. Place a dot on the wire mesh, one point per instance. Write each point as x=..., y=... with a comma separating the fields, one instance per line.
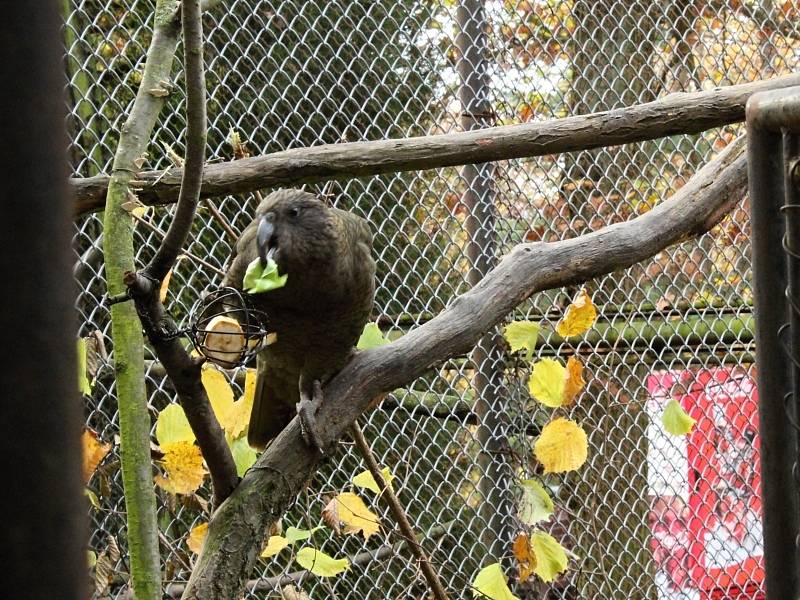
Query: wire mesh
x=288, y=74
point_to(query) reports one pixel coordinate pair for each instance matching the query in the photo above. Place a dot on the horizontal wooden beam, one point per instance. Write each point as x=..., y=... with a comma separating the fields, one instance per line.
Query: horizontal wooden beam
x=682, y=113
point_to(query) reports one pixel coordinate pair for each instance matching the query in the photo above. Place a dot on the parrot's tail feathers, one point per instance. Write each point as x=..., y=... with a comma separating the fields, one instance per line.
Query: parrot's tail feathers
x=271, y=412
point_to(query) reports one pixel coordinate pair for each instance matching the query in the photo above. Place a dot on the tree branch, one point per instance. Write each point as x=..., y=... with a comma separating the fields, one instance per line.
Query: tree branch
x=362, y=559
x=192, y=175
x=399, y=513
x=118, y=252
x=143, y=287
x=671, y=115
x=237, y=528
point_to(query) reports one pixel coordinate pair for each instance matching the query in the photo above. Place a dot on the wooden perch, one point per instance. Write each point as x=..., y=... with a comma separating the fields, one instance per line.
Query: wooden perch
x=237, y=528
x=671, y=115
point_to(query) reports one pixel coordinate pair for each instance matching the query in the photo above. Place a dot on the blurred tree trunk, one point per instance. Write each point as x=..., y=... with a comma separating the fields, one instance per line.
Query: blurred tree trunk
x=613, y=66
x=44, y=535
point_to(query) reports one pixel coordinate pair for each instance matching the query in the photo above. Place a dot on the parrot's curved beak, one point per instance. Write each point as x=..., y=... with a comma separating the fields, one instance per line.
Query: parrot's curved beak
x=264, y=235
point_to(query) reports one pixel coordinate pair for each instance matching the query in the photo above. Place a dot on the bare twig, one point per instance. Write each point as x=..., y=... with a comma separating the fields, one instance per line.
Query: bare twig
x=431, y=576
x=362, y=559
x=189, y=255
x=671, y=115
x=222, y=221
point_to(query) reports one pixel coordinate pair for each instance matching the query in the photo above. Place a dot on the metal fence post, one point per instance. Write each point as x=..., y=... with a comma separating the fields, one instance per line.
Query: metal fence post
x=487, y=358
x=774, y=368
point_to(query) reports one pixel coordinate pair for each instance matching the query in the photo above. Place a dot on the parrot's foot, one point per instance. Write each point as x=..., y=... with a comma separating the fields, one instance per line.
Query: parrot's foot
x=307, y=411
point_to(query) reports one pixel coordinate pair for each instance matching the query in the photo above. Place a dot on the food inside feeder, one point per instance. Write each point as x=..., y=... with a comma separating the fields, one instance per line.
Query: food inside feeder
x=224, y=342
x=225, y=329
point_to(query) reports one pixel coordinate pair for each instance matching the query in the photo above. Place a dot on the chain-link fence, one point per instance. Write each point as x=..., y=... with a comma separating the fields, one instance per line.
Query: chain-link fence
x=649, y=515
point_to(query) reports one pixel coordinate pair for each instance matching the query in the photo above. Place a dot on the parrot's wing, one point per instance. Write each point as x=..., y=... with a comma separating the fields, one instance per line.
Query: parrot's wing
x=277, y=392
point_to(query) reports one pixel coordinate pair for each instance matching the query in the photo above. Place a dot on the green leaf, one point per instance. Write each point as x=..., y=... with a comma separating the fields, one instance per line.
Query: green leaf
x=172, y=426
x=535, y=504
x=491, y=583
x=547, y=382
x=258, y=278
x=551, y=558
x=83, y=382
x=371, y=337
x=319, y=563
x=93, y=500
x=367, y=481
x=243, y=455
x=675, y=419
x=295, y=534
x=522, y=335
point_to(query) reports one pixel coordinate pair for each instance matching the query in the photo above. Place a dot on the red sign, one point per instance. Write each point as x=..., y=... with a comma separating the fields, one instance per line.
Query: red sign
x=706, y=511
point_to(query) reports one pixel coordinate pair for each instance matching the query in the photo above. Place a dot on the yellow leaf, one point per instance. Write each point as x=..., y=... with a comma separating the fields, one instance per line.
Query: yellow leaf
x=491, y=583
x=240, y=413
x=183, y=464
x=140, y=211
x=196, y=537
x=220, y=395
x=562, y=446
x=349, y=509
x=551, y=558
x=84, y=385
x=676, y=421
x=239, y=417
x=162, y=293
x=275, y=544
x=367, y=481
x=319, y=563
x=574, y=380
x=92, y=497
x=526, y=559
x=250, y=379
x=172, y=426
x=547, y=381
x=522, y=335
x=579, y=317
x=94, y=451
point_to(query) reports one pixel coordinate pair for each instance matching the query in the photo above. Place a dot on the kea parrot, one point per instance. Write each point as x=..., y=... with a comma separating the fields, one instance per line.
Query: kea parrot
x=317, y=316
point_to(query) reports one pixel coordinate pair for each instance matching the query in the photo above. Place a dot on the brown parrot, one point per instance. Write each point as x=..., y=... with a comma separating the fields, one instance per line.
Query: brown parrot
x=317, y=316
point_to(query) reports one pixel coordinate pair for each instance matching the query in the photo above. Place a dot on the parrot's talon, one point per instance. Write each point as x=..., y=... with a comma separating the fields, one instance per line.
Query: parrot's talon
x=307, y=411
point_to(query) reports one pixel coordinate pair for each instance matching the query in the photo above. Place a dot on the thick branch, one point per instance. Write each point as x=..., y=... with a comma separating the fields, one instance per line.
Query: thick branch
x=143, y=287
x=671, y=115
x=271, y=486
x=118, y=251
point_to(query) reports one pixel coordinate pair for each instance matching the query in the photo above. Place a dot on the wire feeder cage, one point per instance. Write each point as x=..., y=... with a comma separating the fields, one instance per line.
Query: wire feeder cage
x=225, y=328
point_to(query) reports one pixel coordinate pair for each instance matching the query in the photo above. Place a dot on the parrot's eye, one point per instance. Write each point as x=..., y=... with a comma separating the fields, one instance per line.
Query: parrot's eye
x=294, y=212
